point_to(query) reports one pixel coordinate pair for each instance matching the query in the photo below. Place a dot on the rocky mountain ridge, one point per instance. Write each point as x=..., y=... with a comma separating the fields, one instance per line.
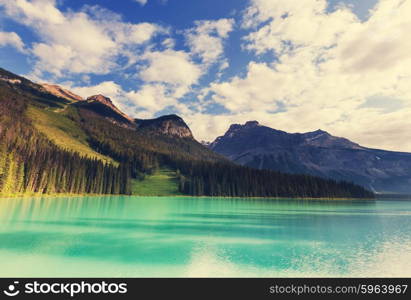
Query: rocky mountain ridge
x=316, y=153
x=61, y=92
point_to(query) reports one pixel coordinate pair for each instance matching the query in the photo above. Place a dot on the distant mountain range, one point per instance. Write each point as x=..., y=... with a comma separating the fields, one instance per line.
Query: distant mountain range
x=54, y=141
x=316, y=153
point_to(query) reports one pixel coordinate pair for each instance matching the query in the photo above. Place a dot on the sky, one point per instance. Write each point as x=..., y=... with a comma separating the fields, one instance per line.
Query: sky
x=293, y=65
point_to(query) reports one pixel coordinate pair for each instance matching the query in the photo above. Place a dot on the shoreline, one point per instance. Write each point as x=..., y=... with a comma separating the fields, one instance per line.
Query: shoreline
x=182, y=196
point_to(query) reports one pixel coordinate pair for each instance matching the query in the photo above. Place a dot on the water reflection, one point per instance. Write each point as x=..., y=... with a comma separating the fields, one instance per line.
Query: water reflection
x=131, y=236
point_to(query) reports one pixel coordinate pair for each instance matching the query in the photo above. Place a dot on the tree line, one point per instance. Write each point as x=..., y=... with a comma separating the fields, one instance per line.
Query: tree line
x=201, y=172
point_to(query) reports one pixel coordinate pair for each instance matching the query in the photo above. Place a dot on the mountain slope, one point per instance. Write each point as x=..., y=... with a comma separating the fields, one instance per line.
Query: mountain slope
x=63, y=131
x=30, y=163
x=317, y=153
x=170, y=125
x=61, y=92
x=50, y=144
x=103, y=106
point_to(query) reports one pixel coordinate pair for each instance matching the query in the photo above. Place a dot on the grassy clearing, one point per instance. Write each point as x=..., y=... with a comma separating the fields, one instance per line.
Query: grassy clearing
x=162, y=183
x=63, y=132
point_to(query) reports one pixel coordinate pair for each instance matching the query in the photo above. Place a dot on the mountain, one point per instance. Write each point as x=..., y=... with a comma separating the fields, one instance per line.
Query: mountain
x=171, y=125
x=51, y=143
x=58, y=91
x=104, y=107
x=316, y=153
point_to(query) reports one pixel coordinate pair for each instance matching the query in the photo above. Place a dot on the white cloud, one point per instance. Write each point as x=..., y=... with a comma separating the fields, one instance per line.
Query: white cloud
x=257, y=91
x=167, y=76
x=328, y=65
x=89, y=41
x=42, y=11
x=150, y=99
x=170, y=74
x=11, y=39
x=135, y=33
x=170, y=66
x=108, y=88
x=168, y=43
x=206, y=39
x=142, y=2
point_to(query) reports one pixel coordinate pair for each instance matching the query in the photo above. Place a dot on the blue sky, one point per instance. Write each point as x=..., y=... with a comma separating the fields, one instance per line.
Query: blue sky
x=291, y=64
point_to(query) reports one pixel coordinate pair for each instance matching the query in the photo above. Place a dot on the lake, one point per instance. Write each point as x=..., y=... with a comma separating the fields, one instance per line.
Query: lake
x=123, y=236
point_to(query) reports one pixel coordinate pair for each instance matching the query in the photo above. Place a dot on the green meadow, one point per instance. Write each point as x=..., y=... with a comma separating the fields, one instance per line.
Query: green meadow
x=162, y=183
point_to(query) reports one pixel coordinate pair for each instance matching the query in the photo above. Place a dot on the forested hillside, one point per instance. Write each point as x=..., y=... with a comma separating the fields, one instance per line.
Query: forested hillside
x=30, y=163
x=49, y=145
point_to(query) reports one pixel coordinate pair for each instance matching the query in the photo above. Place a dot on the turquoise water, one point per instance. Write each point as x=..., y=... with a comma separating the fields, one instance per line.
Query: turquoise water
x=200, y=237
